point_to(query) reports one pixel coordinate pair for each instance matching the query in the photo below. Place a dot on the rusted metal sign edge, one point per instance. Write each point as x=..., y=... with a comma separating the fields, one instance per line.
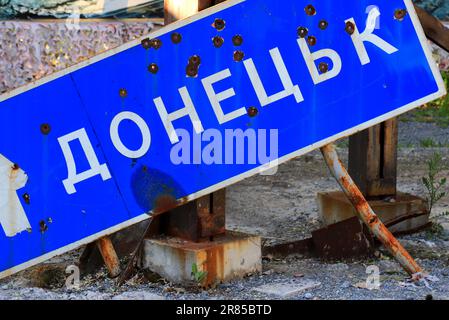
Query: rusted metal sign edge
x=225, y=183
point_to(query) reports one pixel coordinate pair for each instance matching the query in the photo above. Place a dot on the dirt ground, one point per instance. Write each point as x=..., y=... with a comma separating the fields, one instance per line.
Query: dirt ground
x=280, y=208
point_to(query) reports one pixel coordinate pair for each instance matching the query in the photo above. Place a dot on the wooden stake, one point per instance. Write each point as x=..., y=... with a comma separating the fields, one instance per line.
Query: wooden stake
x=373, y=159
x=109, y=255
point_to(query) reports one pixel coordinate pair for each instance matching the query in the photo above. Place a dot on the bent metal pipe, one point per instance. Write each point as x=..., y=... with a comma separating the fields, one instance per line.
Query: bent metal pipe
x=366, y=213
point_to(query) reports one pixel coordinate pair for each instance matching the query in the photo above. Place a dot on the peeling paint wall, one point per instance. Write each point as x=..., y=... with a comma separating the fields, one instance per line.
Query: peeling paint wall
x=32, y=50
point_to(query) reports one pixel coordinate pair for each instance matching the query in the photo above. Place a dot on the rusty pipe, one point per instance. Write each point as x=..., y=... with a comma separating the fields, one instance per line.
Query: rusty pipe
x=366, y=213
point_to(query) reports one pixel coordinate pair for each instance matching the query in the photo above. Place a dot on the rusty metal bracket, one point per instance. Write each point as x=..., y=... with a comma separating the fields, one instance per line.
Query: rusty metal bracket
x=366, y=213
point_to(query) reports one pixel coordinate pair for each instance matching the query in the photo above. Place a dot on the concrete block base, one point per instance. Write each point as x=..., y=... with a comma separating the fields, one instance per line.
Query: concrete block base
x=227, y=257
x=404, y=214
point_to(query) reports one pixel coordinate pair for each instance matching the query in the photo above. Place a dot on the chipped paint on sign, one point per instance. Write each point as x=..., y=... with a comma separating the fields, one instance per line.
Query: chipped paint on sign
x=12, y=216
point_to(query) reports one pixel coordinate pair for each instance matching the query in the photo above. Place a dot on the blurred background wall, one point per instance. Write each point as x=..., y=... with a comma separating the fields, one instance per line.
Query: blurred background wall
x=39, y=37
x=128, y=8
x=84, y=8
x=439, y=8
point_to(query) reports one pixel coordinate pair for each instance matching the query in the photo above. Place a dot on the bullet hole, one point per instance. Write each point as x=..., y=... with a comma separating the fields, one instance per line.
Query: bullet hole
x=123, y=93
x=400, y=14
x=350, y=27
x=238, y=55
x=45, y=128
x=43, y=227
x=192, y=70
x=252, y=111
x=176, y=37
x=146, y=43
x=311, y=40
x=217, y=41
x=153, y=68
x=156, y=43
x=193, y=65
x=219, y=24
x=195, y=60
x=237, y=40
x=15, y=167
x=429, y=297
x=26, y=198
x=310, y=10
x=323, y=67
x=323, y=24
x=302, y=32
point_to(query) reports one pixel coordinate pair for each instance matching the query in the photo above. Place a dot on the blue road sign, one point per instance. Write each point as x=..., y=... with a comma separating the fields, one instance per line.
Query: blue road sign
x=197, y=106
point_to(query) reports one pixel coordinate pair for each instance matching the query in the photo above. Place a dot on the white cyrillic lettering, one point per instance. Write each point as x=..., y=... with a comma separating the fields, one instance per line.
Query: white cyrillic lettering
x=359, y=38
x=144, y=130
x=310, y=59
x=188, y=110
x=216, y=98
x=95, y=167
x=289, y=88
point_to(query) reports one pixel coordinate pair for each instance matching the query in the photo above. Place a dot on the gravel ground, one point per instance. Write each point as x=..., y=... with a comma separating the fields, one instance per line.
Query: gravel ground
x=283, y=207
x=417, y=132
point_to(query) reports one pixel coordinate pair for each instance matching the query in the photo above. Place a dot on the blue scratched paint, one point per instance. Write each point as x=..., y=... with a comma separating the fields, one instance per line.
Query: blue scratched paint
x=89, y=98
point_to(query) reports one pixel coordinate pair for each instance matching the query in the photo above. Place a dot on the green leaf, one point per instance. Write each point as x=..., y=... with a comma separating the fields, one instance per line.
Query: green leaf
x=194, y=269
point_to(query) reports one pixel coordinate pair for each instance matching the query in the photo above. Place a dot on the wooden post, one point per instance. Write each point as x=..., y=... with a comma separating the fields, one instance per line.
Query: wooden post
x=199, y=220
x=433, y=28
x=109, y=255
x=199, y=223
x=203, y=218
x=373, y=160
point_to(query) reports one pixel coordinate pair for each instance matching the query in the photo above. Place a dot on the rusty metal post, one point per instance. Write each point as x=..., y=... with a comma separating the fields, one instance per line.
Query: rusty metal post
x=366, y=214
x=109, y=255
